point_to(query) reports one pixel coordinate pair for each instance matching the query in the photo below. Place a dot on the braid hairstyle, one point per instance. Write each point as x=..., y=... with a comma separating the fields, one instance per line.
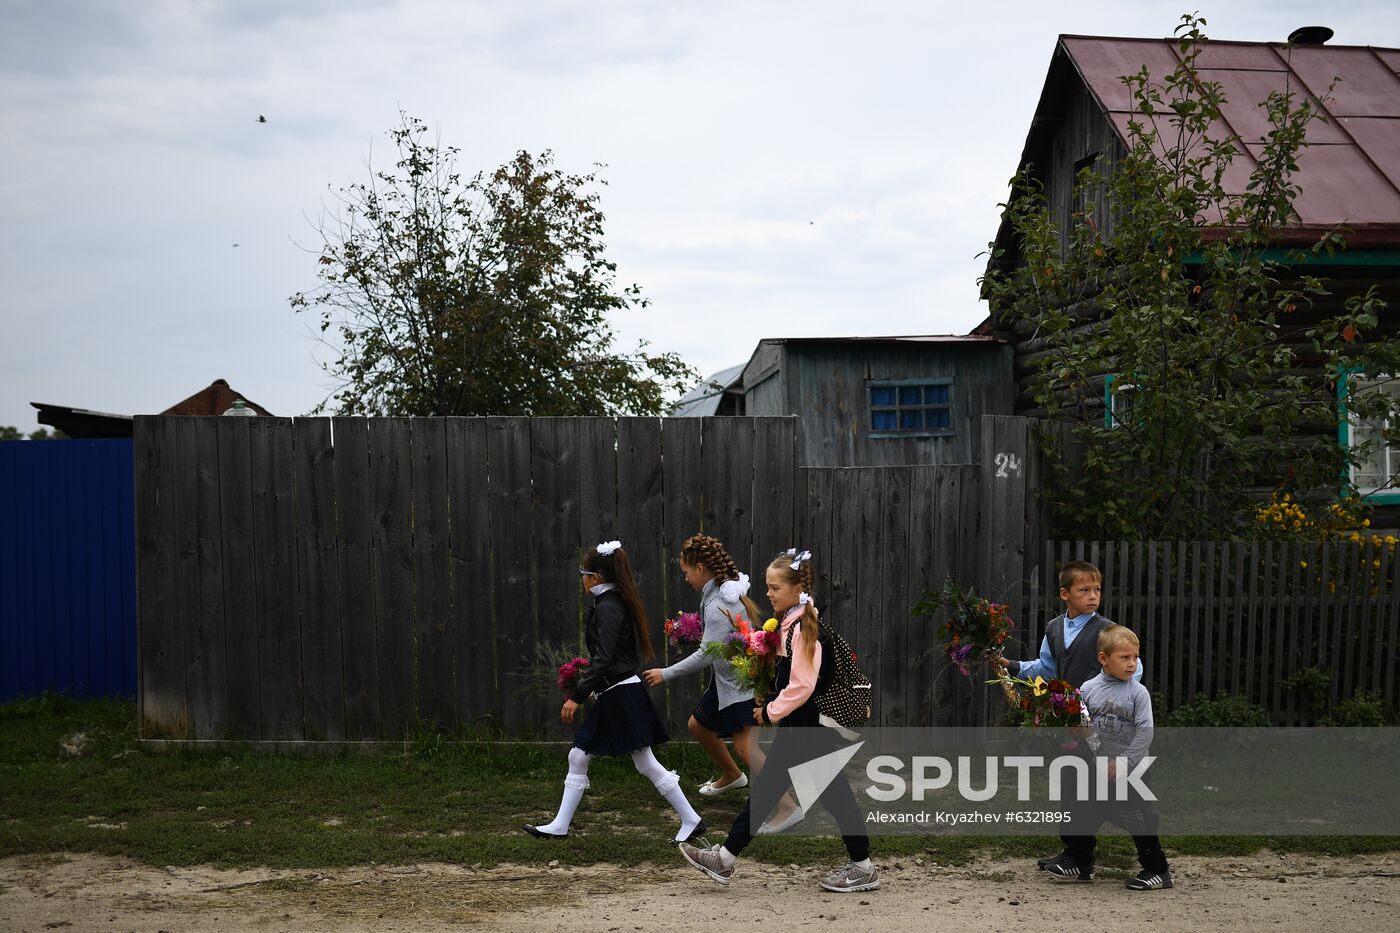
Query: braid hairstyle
x=617, y=568
x=802, y=576
x=710, y=553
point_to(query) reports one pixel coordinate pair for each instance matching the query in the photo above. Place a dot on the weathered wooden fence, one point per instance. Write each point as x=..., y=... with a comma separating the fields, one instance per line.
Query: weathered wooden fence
x=358, y=579
x=1242, y=618
x=353, y=579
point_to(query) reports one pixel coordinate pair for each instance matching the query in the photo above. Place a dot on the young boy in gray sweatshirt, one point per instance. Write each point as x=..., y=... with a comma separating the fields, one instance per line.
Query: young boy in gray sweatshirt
x=1121, y=711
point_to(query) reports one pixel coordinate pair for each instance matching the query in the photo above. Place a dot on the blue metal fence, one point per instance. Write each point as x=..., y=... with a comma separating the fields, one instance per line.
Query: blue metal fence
x=67, y=568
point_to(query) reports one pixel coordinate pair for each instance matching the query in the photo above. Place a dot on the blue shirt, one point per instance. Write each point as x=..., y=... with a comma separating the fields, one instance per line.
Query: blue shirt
x=1045, y=665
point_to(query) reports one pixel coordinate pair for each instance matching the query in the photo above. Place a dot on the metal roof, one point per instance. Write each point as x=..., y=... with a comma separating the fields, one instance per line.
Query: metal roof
x=215, y=399
x=915, y=338
x=704, y=399
x=1349, y=173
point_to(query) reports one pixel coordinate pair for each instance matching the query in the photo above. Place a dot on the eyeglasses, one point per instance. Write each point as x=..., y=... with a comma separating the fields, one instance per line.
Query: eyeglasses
x=586, y=573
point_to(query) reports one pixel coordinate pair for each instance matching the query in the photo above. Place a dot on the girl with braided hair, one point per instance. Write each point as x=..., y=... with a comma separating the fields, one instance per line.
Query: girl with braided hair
x=725, y=709
x=802, y=666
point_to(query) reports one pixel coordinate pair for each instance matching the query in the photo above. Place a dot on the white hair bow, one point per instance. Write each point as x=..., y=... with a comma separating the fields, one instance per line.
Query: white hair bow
x=731, y=590
x=607, y=547
x=797, y=563
x=804, y=598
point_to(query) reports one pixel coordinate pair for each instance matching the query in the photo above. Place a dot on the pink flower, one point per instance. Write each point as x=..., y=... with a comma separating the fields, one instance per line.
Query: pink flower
x=685, y=629
x=569, y=673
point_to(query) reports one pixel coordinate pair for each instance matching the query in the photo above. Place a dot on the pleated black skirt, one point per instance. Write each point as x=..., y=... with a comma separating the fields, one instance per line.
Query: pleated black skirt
x=621, y=721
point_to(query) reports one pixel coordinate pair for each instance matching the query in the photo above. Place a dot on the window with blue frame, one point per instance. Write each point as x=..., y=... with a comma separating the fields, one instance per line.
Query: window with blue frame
x=1376, y=470
x=901, y=408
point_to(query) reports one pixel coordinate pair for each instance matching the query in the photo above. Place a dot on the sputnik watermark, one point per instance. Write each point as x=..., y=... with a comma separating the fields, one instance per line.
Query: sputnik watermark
x=889, y=784
x=935, y=773
x=1009, y=781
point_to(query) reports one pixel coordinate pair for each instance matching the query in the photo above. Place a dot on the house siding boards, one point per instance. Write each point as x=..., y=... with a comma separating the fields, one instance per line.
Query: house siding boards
x=826, y=384
x=1085, y=134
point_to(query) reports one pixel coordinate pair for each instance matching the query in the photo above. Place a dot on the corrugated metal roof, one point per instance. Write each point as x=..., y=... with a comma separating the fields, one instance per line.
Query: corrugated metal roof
x=704, y=399
x=1350, y=172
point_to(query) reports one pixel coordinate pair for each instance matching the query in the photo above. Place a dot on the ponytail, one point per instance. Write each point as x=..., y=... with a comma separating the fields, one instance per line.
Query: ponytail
x=615, y=567
x=802, y=576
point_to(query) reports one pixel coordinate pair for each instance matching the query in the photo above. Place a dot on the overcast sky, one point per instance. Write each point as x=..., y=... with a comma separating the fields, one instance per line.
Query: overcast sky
x=774, y=169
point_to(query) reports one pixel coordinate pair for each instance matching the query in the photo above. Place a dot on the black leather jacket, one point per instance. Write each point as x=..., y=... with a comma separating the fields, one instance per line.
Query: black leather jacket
x=613, y=655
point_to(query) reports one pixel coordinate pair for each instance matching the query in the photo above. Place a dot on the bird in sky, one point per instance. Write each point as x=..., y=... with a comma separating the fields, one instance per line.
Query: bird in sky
x=262, y=119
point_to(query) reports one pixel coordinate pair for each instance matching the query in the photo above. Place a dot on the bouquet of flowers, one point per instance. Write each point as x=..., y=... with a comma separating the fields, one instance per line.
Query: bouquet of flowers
x=1041, y=702
x=752, y=653
x=1045, y=703
x=569, y=673
x=684, y=630
x=976, y=630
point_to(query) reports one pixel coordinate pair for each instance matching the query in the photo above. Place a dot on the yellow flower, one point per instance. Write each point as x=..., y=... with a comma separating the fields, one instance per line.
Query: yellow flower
x=1039, y=685
x=771, y=625
x=1303, y=564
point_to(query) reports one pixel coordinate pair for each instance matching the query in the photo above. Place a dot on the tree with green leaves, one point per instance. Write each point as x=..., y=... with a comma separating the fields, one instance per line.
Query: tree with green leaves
x=1224, y=352
x=488, y=295
x=11, y=433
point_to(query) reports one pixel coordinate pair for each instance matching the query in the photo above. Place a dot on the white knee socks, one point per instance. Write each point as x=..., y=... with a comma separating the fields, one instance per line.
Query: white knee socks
x=575, y=783
x=668, y=784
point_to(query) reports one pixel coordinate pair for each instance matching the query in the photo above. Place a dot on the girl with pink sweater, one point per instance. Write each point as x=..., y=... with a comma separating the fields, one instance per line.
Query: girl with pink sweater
x=802, y=670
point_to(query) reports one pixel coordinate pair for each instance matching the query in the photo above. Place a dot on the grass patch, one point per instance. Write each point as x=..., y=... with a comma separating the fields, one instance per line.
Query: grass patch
x=438, y=799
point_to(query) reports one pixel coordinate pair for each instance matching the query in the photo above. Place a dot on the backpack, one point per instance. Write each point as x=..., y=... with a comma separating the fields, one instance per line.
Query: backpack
x=845, y=696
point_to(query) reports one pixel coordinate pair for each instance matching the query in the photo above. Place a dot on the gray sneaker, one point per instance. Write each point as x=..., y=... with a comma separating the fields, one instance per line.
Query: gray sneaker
x=849, y=879
x=708, y=861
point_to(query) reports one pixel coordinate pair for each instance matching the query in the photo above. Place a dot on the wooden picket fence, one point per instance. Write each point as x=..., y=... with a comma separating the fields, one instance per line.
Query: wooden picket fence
x=1241, y=617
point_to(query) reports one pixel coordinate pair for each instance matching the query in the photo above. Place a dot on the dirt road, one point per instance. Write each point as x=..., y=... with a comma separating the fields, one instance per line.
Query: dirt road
x=1261, y=892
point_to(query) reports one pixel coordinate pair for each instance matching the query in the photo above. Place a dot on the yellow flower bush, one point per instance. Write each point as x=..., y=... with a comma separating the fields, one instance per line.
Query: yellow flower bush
x=1343, y=522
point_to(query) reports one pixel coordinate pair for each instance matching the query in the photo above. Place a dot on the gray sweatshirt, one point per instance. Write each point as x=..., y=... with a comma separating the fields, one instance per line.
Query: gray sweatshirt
x=1121, y=711
x=713, y=607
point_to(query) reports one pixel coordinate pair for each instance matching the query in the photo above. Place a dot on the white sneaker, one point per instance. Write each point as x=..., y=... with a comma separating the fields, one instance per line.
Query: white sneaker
x=848, y=879
x=708, y=789
x=792, y=819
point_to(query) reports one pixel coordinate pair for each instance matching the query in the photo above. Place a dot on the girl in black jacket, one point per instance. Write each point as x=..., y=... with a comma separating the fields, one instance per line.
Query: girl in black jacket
x=623, y=721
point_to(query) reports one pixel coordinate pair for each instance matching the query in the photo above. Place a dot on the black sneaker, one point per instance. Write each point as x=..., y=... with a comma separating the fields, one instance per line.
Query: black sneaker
x=1150, y=880
x=1065, y=868
x=1042, y=862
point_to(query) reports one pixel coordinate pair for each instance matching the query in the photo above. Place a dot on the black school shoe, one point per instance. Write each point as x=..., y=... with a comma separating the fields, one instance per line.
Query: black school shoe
x=1065, y=868
x=1150, y=880
x=541, y=834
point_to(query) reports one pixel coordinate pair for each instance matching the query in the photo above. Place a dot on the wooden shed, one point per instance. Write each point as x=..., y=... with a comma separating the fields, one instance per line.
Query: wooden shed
x=882, y=401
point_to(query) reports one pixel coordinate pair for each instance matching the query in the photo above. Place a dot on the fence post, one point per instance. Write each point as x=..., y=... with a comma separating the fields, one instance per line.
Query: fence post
x=1004, y=517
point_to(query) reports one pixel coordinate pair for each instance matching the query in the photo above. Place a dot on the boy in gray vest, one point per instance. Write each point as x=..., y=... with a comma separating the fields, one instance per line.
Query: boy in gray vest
x=1070, y=647
x=1121, y=711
